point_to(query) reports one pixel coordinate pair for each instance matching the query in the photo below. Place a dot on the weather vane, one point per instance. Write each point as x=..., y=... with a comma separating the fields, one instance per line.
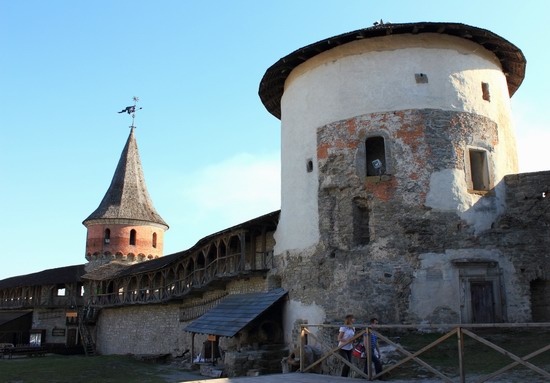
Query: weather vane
x=132, y=110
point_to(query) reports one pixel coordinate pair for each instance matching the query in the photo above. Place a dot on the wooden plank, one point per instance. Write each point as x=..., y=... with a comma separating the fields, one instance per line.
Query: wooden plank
x=512, y=365
x=460, y=339
x=414, y=356
x=508, y=354
x=295, y=377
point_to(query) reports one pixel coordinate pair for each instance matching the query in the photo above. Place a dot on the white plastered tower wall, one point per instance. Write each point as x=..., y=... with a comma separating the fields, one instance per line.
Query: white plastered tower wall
x=378, y=75
x=436, y=98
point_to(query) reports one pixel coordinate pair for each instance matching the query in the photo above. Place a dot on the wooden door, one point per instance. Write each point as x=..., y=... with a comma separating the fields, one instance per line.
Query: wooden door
x=71, y=337
x=483, y=303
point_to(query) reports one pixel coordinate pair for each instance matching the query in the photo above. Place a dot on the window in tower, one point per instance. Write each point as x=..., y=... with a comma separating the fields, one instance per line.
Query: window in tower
x=361, y=232
x=132, y=237
x=485, y=91
x=155, y=240
x=376, y=156
x=421, y=78
x=309, y=165
x=107, y=236
x=479, y=170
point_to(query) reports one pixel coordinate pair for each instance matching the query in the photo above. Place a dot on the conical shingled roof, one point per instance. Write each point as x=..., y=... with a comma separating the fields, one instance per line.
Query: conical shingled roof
x=127, y=199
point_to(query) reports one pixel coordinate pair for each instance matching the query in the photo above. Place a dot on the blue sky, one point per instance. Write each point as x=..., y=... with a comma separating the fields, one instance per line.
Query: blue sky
x=209, y=149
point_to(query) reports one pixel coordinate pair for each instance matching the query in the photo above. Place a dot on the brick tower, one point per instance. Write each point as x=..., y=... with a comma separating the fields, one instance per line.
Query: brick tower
x=125, y=227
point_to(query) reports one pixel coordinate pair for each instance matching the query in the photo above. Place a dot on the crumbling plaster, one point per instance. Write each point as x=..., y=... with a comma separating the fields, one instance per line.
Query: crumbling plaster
x=436, y=283
x=298, y=312
x=378, y=75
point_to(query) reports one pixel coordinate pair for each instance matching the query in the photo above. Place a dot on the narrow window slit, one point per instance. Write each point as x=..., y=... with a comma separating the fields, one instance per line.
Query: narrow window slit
x=421, y=78
x=485, y=91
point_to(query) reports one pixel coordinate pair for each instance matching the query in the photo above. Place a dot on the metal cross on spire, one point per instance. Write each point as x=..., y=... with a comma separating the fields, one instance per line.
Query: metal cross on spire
x=132, y=110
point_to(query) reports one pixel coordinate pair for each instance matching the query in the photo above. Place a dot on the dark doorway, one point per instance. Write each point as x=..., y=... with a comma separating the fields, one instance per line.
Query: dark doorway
x=361, y=232
x=540, y=300
x=71, y=337
x=483, y=303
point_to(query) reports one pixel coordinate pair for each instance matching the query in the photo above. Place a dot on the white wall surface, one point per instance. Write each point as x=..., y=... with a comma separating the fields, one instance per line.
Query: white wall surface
x=375, y=75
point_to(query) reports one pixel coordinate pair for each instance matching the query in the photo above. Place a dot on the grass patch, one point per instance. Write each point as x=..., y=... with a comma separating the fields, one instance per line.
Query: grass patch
x=479, y=359
x=76, y=369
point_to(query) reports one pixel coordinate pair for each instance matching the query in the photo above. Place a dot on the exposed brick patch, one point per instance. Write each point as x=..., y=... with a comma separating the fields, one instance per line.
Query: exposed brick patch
x=342, y=271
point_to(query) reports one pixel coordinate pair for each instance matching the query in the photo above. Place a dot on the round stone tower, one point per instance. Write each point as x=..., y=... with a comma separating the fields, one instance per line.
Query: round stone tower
x=395, y=140
x=402, y=94
x=125, y=227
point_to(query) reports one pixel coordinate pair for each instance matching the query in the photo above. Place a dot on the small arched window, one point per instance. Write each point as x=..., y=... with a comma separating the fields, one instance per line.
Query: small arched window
x=107, y=236
x=376, y=156
x=132, y=237
x=155, y=240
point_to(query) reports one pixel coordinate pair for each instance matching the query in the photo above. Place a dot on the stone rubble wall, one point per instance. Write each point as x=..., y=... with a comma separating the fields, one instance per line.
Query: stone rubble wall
x=413, y=236
x=157, y=328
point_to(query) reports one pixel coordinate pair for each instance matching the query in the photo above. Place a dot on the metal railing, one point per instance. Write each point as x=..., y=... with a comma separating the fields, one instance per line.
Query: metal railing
x=458, y=330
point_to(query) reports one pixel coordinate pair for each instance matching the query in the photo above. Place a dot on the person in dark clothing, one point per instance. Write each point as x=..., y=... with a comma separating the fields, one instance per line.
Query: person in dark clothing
x=375, y=350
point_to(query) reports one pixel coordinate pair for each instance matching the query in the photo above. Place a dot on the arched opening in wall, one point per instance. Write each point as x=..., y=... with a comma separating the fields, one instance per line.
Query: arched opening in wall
x=171, y=282
x=110, y=289
x=27, y=294
x=107, y=236
x=211, y=260
x=540, y=300
x=234, y=253
x=154, y=240
x=132, y=237
x=249, y=251
x=360, y=212
x=222, y=257
x=180, y=277
x=375, y=156
x=189, y=274
x=132, y=292
x=199, y=269
x=157, y=284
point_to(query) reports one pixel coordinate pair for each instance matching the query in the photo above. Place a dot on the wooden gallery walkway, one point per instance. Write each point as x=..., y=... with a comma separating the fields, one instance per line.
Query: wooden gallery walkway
x=295, y=377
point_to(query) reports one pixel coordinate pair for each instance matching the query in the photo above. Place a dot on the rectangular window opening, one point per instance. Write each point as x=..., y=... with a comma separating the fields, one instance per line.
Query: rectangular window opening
x=61, y=291
x=485, y=91
x=479, y=170
x=361, y=231
x=376, y=156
